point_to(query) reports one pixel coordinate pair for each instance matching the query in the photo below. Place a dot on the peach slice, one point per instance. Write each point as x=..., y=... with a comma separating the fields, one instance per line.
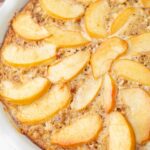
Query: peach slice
x=119, y=1
x=86, y=93
x=16, y=55
x=139, y=44
x=132, y=70
x=122, y=19
x=82, y=130
x=109, y=93
x=45, y=107
x=146, y=3
x=121, y=135
x=26, y=27
x=138, y=112
x=95, y=19
x=65, y=38
x=24, y=93
x=109, y=50
x=86, y=2
x=63, y=9
x=69, y=67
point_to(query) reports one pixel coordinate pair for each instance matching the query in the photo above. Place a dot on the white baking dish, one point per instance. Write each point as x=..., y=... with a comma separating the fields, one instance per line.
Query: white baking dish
x=7, y=11
x=10, y=138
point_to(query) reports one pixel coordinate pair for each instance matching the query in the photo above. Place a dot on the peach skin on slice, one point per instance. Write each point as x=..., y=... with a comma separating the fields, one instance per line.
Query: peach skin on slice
x=139, y=44
x=108, y=51
x=18, y=56
x=63, y=9
x=121, y=135
x=27, y=28
x=65, y=38
x=86, y=2
x=146, y=3
x=132, y=70
x=24, y=93
x=122, y=19
x=86, y=93
x=44, y=108
x=138, y=113
x=69, y=67
x=109, y=93
x=95, y=19
x=82, y=130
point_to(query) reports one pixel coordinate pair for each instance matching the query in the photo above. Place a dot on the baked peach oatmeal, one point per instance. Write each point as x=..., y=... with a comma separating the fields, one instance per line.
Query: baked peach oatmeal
x=75, y=74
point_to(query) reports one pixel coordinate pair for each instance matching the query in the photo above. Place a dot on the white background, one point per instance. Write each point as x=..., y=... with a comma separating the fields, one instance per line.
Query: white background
x=4, y=145
x=10, y=138
x=7, y=11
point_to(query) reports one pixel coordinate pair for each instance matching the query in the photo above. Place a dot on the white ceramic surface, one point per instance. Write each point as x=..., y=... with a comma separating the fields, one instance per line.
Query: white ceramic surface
x=10, y=138
x=7, y=11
